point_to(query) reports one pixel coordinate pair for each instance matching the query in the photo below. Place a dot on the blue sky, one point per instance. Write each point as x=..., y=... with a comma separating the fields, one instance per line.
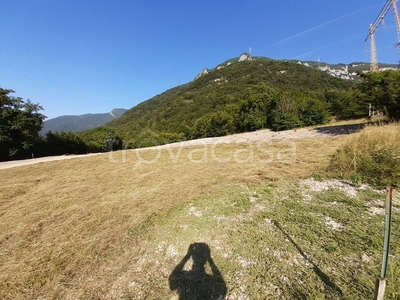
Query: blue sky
x=81, y=56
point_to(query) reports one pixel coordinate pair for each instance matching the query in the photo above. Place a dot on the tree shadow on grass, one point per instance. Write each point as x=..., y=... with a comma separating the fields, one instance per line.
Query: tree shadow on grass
x=340, y=129
x=197, y=283
x=324, y=278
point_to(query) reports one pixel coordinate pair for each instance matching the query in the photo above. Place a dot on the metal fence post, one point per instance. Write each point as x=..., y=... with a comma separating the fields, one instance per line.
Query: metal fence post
x=381, y=281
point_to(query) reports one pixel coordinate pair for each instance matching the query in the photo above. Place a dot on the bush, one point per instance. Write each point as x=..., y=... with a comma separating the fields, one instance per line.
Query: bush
x=59, y=144
x=373, y=156
x=382, y=90
x=213, y=125
x=350, y=105
x=285, y=122
x=314, y=113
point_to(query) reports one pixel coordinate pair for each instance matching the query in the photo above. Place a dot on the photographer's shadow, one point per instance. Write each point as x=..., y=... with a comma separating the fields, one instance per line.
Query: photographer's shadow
x=197, y=283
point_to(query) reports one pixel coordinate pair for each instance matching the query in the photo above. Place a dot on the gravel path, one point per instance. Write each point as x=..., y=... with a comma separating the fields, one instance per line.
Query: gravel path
x=25, y=162
x=268, y=135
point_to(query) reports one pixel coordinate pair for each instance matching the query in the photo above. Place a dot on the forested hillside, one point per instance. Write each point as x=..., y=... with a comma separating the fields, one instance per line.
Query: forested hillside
x=236, y=97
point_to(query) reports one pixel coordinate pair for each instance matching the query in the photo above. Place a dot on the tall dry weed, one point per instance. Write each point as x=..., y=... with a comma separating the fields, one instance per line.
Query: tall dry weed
x=372, y=156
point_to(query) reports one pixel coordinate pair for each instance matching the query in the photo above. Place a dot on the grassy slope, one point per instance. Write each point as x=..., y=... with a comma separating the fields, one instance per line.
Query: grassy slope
x=89, y=228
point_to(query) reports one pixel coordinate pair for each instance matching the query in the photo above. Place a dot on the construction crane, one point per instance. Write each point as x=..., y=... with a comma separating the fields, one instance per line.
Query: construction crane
x=375, y=25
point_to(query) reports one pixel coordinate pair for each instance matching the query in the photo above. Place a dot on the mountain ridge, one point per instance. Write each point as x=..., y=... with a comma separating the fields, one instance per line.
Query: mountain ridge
x=340, y=70
x=76, y=123
x=218, y=90
x=241, y=94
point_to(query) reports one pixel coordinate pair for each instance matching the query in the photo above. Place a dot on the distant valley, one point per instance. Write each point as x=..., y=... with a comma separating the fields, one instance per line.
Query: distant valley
x=75, y=123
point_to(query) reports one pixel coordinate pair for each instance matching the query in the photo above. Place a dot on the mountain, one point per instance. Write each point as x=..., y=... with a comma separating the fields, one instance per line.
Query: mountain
x=220, y=95
x=346, y=71
x=242, y=94
x=79, y=123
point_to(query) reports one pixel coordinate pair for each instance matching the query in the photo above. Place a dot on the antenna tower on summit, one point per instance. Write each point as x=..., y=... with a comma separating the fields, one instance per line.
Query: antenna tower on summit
x=250, y=51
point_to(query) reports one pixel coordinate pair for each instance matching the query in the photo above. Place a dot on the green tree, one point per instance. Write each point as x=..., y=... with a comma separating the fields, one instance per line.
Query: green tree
x=284, y=111
x=349, y=105
x=101, y=139
x=62, y=143
x=20, y=123
x=254, y=108
x=213, y=124
x=382, y=90
x=314, y=112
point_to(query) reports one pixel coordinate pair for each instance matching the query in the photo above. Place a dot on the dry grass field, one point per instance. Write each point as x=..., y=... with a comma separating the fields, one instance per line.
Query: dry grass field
x=115, y=225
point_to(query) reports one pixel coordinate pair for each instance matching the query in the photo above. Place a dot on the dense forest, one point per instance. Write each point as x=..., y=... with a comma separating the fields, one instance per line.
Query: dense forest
x=234, y=97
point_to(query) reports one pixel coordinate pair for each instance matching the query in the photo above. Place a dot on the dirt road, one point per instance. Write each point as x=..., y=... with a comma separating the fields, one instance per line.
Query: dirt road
x=25, y=162
x=255, y=136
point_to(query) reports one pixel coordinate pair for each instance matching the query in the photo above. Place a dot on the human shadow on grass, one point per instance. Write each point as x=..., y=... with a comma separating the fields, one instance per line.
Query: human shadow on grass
x=324, y=278
x=197, y=283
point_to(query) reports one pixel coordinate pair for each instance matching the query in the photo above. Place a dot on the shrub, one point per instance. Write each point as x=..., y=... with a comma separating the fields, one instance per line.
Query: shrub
x=373, y=156
x=382, y=90
x=284, y=122
x=313, y=113
x=213, y=124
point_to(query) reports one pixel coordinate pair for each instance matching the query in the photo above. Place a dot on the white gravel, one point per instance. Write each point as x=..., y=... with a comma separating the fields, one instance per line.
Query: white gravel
x=256, y=136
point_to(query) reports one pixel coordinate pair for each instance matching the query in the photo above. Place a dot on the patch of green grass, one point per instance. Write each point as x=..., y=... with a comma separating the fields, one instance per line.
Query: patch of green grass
x=333, y=196
x=369, y=194
x=294, y=250
x=318, y=177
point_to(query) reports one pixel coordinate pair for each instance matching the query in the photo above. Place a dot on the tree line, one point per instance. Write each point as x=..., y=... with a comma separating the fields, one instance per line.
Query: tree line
x=261, y=106
x=21, y=122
